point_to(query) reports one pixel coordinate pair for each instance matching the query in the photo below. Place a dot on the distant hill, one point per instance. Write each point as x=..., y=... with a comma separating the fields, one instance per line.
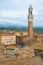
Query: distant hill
x=13, y=27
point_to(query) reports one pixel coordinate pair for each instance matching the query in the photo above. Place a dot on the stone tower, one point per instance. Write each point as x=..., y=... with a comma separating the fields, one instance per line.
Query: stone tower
x=30, y=22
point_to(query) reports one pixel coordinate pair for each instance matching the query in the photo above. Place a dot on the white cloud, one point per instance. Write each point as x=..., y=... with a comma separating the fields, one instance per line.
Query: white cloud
x=5, y=13
x=14, y=22
x=0, y=19
x=35, y=12
x=38, y=23
x=18, y=9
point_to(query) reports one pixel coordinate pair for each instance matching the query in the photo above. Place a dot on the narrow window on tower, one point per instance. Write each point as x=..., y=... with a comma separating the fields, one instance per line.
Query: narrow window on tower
x=31, y=12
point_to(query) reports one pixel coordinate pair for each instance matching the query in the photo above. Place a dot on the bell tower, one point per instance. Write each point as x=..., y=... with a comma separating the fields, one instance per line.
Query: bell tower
x=30, y=22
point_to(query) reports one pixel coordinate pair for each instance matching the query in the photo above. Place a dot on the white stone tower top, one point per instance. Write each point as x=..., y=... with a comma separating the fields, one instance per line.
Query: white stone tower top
x=30, y=10
x=30, y=14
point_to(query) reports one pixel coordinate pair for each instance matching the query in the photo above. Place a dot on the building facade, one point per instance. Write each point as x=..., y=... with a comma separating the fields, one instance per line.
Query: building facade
x=7, y=39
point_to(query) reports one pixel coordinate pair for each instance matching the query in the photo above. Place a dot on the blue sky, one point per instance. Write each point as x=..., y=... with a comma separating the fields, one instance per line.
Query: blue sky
x=16, y=11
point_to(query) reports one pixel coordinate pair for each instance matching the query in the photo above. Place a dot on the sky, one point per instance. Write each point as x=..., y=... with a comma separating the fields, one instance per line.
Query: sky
x=16, y=12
